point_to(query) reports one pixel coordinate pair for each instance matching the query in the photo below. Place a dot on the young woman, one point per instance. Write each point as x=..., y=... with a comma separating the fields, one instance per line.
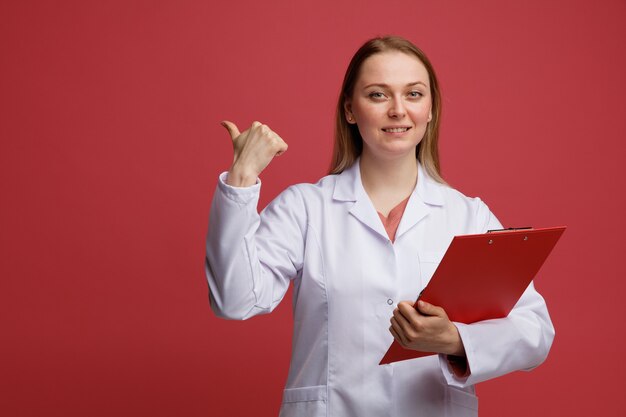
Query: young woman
x=356, y=244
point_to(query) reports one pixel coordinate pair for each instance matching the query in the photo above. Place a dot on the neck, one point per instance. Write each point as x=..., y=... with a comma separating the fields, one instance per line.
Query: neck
x=388, y=182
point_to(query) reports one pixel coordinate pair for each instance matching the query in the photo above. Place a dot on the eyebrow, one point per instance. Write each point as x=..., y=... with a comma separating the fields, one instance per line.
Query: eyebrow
x=387, y=86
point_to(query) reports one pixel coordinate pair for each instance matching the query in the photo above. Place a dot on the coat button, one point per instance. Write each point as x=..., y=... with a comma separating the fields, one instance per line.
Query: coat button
x=390, y=301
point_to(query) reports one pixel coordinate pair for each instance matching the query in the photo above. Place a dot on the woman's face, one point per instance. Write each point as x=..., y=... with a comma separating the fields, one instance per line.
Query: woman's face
x=391, y=104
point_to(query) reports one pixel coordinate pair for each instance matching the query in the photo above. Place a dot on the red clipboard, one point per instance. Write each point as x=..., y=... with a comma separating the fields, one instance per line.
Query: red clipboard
x=483, y=276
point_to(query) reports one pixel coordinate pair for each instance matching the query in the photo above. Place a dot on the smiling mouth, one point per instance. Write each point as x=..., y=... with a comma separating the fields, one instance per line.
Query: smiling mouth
x=396, y=129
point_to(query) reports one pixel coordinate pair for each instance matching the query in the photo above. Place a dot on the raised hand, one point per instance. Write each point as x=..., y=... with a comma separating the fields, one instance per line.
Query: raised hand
x=253, y=150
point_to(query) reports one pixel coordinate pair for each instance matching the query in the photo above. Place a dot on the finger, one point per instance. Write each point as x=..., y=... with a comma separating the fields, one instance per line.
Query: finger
x=282, y=148
x=395, y=326
x=428, y=309
x=407, y=310
x=278, y=145
x=405, y=325
x=233, y=131
x=397, y=336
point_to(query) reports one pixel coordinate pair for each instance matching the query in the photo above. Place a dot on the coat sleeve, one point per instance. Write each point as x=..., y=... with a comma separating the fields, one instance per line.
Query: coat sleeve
x=521, y=341
x=251, y=258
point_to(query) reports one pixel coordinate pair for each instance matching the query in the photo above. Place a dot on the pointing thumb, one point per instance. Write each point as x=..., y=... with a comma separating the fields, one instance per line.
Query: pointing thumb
x=233, y=131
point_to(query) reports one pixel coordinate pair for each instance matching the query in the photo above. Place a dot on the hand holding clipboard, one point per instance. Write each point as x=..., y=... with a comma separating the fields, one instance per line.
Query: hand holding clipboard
x=483, y=276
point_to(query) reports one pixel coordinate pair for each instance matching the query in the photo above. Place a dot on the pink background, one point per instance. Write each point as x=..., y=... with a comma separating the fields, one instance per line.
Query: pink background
x=111, y=146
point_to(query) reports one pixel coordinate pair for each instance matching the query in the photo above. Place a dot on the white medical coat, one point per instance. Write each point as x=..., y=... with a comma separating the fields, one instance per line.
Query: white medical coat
x=348, y=277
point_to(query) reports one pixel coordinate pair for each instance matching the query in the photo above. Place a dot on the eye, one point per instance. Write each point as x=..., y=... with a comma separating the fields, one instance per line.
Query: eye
x=415, y=94
x=376, y=95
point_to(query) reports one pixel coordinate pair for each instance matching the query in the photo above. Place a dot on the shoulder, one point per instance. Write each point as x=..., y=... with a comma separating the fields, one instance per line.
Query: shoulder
x=473, y=212
x=304, y=196
x=300, y=204
x=457, y=199
x=311, y=191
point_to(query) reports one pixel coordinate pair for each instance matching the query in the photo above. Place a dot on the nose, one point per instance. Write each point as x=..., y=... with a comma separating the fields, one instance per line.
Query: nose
x=396, y=109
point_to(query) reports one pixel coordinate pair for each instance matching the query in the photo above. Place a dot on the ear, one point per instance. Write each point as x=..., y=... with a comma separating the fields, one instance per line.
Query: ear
x=347, y=108
x=430, y=114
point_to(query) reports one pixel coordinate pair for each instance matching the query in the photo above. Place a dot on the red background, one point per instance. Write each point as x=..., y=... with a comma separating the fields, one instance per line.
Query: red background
x=110, y=150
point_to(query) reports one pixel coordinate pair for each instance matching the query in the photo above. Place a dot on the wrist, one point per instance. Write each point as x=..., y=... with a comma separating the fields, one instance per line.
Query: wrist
x=456, y=344
x=239, y=178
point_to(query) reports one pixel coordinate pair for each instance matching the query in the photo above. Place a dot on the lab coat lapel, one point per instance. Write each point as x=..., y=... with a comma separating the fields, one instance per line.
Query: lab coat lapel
x=365, y=212
x=349, y=188
x=426, y=195
x=415, y=211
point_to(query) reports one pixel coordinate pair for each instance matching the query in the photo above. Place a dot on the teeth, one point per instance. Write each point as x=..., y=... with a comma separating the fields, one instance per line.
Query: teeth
x=397, y=130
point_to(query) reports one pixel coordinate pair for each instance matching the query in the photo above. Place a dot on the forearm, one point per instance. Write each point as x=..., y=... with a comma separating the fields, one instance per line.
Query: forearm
x=493, y=348
x=251, y=258
x=228, y=263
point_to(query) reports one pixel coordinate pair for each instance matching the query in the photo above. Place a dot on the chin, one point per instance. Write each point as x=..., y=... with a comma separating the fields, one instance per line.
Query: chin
x=391, y=153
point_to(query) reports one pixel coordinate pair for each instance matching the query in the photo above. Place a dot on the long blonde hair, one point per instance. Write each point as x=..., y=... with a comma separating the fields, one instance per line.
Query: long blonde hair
x=348, y=140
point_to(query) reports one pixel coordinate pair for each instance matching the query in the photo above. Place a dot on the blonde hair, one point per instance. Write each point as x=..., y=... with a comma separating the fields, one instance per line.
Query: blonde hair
x=348, y=142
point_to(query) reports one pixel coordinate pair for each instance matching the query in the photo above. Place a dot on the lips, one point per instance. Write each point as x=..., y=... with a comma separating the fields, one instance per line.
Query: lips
x=398, y=129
